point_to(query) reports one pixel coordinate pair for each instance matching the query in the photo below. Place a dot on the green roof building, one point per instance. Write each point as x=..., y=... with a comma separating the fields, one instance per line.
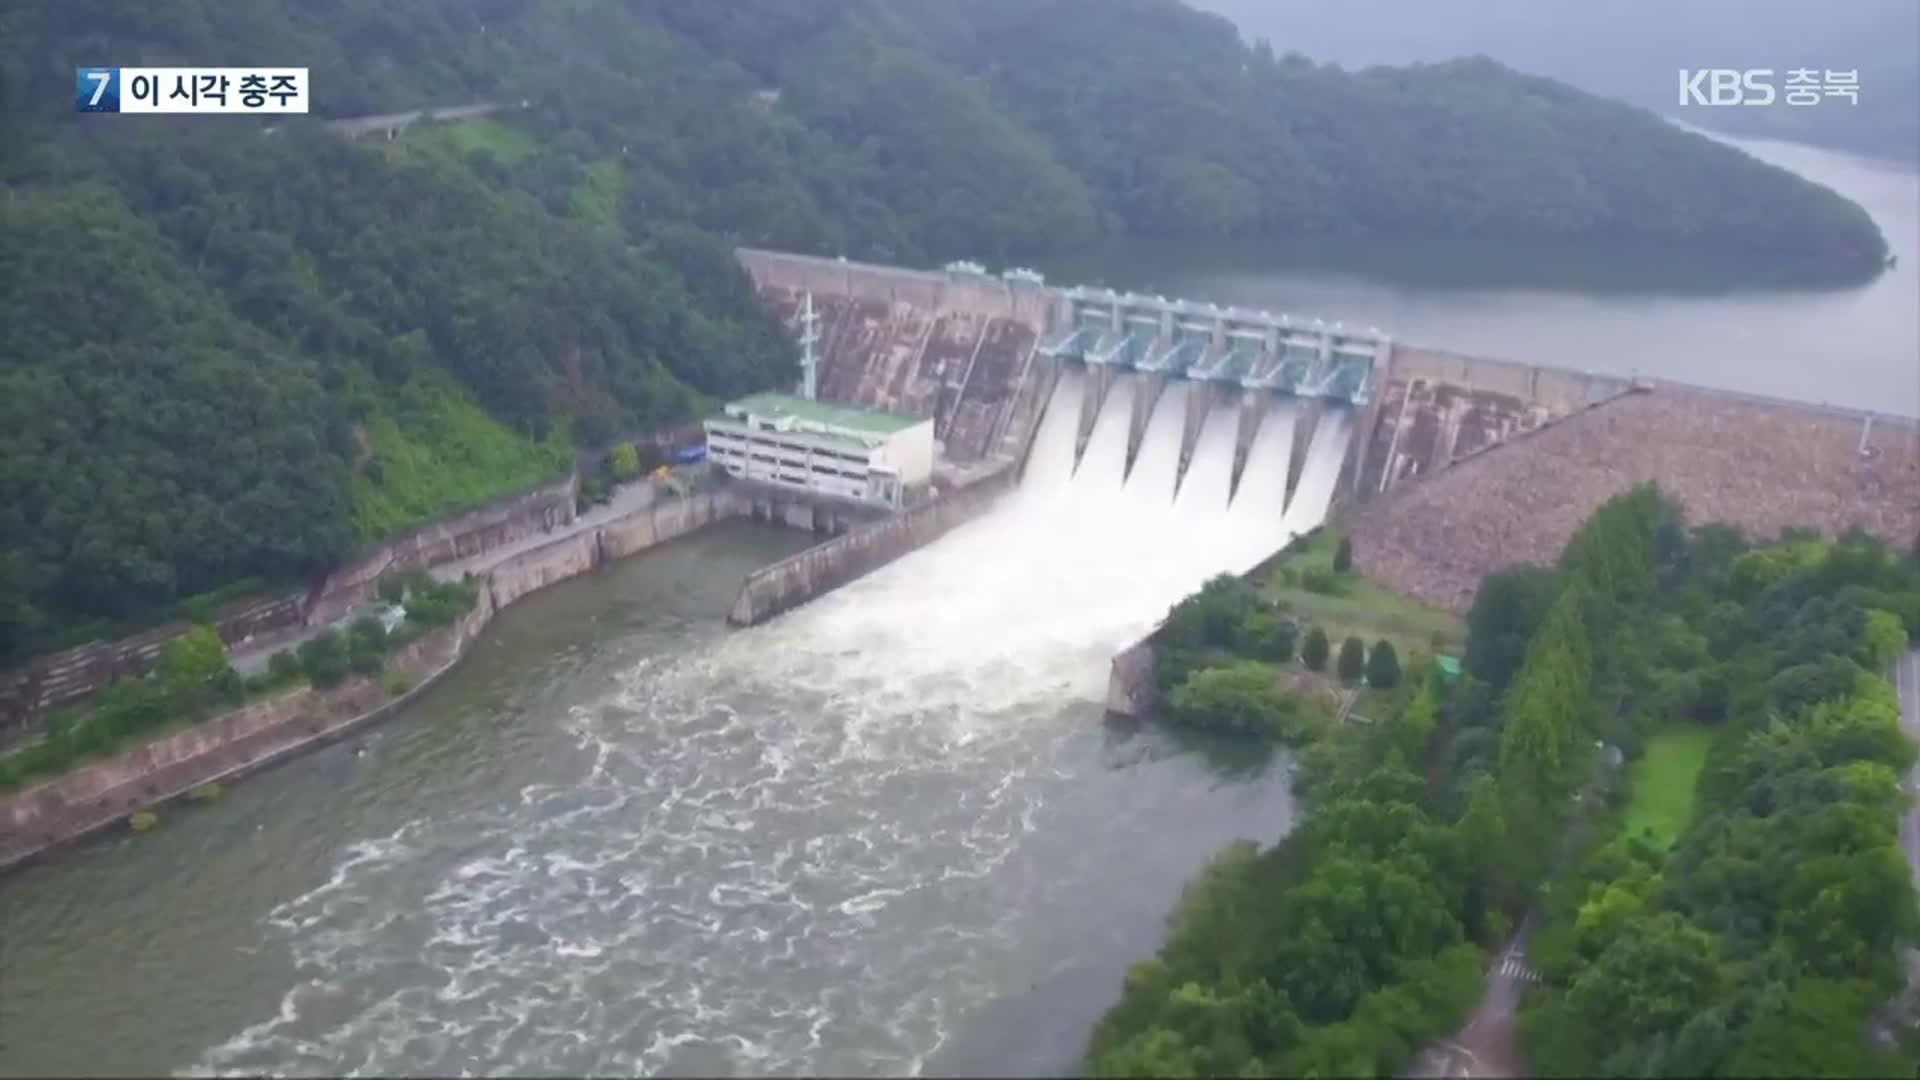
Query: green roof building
x=838, y=450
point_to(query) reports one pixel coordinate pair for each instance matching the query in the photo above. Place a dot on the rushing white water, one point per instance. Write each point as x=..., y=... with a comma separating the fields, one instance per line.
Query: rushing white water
x=1209, y=481
x=803, y=848
x=1157, y=466
x=1261, y=498
x=1103, y=464
x=1314, y=494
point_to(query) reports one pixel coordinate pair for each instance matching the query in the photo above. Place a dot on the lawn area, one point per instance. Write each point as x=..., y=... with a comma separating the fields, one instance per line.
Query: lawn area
x=1663, y=784
x=1359, y=607
x=508, y=144
x=596, y=200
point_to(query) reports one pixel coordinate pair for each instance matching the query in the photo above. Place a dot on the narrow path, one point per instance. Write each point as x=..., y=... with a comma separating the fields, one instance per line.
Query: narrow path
x=1487, y=1047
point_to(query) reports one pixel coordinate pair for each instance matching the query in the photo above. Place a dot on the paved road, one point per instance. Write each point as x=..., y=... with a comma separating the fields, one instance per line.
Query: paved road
x=1487, y=1046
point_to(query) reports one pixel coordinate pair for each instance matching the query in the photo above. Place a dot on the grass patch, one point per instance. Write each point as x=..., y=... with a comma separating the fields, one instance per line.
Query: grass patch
x=1358, y=607
x=596, y=200
x=434, y=450
x=461, y=138
x=1663, y=783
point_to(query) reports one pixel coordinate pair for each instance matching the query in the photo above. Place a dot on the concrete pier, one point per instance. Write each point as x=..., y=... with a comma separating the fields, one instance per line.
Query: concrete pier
x=1098, y=384
x=787, y=584
x=1200, y=401
x=1254, y=405
x=1147, y=389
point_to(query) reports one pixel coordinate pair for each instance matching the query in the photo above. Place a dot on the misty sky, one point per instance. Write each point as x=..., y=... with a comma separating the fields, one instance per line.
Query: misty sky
x=1628, y=49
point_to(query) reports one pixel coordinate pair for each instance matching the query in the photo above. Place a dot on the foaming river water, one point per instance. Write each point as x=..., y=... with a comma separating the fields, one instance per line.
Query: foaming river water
x=887, y=833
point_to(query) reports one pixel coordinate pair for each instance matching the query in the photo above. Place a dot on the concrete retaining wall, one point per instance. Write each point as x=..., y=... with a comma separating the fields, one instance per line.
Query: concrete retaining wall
x=821, y=569
x=1131, y=691
x=222, y=749
x=663, y=522
x=29, y=694
x=463, y=536
x=260, y=734
x=32, y=692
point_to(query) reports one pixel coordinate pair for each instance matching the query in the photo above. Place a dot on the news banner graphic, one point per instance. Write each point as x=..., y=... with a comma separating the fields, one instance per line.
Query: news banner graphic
x=190, y=90
x=1756, y=86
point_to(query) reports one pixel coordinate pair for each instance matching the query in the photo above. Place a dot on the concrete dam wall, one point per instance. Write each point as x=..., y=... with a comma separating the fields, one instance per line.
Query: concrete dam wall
x=787, y=584
x=1436, y=408
x=937, y=346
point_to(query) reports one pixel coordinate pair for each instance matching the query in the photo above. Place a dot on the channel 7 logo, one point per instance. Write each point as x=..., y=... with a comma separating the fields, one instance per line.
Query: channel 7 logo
x=97, y=89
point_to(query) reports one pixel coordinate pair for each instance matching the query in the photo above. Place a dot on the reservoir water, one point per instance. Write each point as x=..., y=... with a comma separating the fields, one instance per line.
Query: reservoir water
x=884, y=833
x=1668, y=314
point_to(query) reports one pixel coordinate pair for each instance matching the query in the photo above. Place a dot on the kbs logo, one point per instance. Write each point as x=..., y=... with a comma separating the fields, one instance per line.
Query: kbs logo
x=1726, y=86
x=1754, y=86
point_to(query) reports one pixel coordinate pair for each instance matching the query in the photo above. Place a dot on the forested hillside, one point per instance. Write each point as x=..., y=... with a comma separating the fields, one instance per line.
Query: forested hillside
x=233, y=353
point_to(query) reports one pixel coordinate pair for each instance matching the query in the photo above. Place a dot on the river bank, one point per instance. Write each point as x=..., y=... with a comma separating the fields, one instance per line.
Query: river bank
x=102, y=793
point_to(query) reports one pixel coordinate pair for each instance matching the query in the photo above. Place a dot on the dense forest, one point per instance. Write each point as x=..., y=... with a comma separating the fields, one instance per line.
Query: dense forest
x=1746, y=916
x=234, y=351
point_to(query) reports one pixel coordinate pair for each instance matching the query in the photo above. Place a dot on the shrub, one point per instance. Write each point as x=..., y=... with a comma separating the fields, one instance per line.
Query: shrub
x=1212, y=618
x=1343, y=556
x=1353, y=661
x=1324, y=582
x=366, y=645
x=396, y=682
x=193, y=669
x=435, y=604
x=1383, y=666
x=1314, y=650
x=205, y=793
x=142, y=820
x=1268, y=637
x=283, y=669
x=1241, y=698
x=393, y=589
x=624, y=461
x=325, y=660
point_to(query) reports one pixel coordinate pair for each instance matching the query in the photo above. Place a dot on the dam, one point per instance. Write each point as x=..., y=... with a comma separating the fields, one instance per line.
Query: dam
x=1448, y=466
x=884, y=832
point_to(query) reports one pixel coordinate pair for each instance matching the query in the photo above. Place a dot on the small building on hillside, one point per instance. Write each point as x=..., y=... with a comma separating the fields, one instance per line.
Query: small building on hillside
x=837, y=450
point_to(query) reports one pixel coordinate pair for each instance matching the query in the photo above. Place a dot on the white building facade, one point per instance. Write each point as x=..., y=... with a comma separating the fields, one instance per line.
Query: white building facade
x=834, y=450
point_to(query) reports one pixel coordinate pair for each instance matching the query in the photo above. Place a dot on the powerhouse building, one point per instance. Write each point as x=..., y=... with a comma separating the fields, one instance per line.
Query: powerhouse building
x=812, y=446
